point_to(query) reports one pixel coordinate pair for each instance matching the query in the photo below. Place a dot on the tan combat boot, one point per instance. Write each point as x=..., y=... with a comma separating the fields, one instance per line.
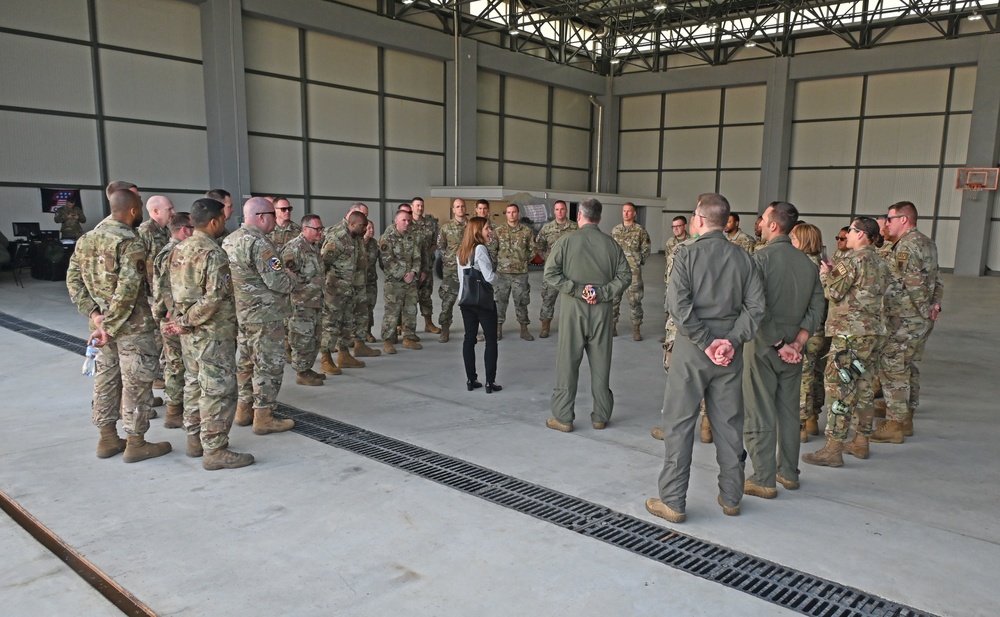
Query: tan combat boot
x=409, y=343
x=908, y=426
x=812, y=425
x=636, y=334
x=858, y=447
x=244, y=414
x=319, y=376
x=346, y=360
x=327, y=366
x=891, y=431
x=752, y=488
x=525, y=334
x=304, y=378
x=429, y=326
x=657, y=433
x=370, y=338
x=138, y=449
x=174, y=417
x=194, y=449
x=364, y=351
x=388, y=347
x=224, y=458
x=829, y=456
x=706, y=430
x=110, y=443
x=264, y=422
x=544, y=333
x=499, y=331
x=444, y=334
x=803, y=435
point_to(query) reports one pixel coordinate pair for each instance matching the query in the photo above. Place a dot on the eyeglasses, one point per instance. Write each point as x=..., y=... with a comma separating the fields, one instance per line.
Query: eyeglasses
x=841, y=238
x=860, y=231
x=896, y=216
x=311, y=227
x=288, y=209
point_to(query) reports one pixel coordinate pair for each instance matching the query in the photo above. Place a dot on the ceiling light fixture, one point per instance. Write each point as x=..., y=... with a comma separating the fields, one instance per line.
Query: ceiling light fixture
x=750, y=43
x=975, y=16
x=660, y=7
x=514, y=31
x=408, y=1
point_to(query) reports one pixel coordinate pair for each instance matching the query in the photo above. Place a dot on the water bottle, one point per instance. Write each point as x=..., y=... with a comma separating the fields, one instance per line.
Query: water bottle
x=90, y=364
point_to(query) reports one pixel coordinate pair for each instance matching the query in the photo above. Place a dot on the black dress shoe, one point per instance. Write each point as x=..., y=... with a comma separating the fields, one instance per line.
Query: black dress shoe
x=473, y=384
x=492, y=387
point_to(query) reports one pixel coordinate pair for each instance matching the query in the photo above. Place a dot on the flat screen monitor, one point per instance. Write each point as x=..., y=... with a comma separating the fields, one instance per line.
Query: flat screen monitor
x=27, y=230
x=49, y=234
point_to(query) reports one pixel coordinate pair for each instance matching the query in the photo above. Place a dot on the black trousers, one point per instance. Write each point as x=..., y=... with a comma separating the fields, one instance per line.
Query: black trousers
x=473, y=318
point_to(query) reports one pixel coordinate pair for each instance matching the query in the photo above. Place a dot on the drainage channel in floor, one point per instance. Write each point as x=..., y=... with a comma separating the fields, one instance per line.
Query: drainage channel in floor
x=786, y=587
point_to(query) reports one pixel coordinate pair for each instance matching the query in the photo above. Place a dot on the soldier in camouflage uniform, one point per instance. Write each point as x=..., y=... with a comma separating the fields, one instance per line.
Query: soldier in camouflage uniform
x=842, y=250
x=483, y=210
x=400, y=258
x=163, y=307
x=552, y=231
x=371, y=278
x=223, y=197
x=679, y=228
x=285, y=229
x=261, y=286
x=735, y=235
x=515, y=248
x=341, y=254
x=635, y=243
x=302, y=260
x=107, y=283
x=155, y=235
x=854, y=286
x=204, y=316
x=913, y=304
x=71, y=219
x=448, y=241
x=426, y=228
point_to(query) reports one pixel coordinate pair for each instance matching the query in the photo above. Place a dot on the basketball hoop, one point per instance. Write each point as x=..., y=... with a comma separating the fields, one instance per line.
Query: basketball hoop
x=976, y=179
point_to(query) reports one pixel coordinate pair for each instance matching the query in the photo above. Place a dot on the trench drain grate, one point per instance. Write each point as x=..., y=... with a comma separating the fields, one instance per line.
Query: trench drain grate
x=791, y=589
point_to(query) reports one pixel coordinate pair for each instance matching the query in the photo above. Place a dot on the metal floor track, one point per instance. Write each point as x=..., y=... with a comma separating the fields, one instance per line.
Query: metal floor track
x=786, y=587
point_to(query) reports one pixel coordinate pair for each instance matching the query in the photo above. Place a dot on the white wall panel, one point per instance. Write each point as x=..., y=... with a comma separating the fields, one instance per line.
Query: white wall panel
x=524, y=98
x=344, y=170
x=637, y=183
x=414, y=76
x=993, y=255
x=148, y=88
x=828, y=98
x=817, y=144
x=950, y=200
x=487, y=136
x=692, y=108
x=56, y=17
x=408, y=174
x=902, y=141
x=570, y=180
x=487, y=173
x=742, y=146
x=742, y=189
x=682, y=188
x=946, y=238
x=570, y=107
x=570, y=147
x=745, y=104
x=342, y=115
x=164, y=26
x=488, y=91
x=45, y=74
x=963, y=88
x=409, y=124
x=274, y=105
x=957, y=144
x=640, y=112
x=638, y=150
x=690, y=148
x=158, y=156
x=524, y=176
x=524, y=141
x=907, y=93
x=880, y=188
x=821, y=191
x=50, y=149
x=340, y=61
x=270, y=47
x=275, y=165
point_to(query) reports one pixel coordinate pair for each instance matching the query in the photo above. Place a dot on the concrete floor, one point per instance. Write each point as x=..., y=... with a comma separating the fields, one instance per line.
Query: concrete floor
x=311, y=529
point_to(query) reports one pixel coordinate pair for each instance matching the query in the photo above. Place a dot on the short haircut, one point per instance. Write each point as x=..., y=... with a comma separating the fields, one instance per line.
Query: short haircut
x=907, y=208
x=682, y=219
x=483, y=201
x=309, y=218
x=628, y=203
x=118, y=185
x=513, y=206
x=416, y=199
x=785, y=215
x=736, y=217
x=356, y=207
x=560, y=201
x=399, y=213
x=845, y=228
x=205, y=210
x=400, y=207
x=590, y=209
x=810, y=238
x=715, y=209
x=178, y=221
x=277, y=199
x=124, y=200
x=868, y=225
x=218, y=195
x=356, y=216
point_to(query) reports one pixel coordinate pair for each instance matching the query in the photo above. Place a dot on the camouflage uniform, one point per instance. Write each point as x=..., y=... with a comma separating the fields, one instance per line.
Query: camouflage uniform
x=359, y=285
x=283, y=234
x=340, y=258
x=71, y=219
x=856, y=323
x=745, y=240
x=398, y=255
x=670, y=328
x=202, y=291
x=107, y=273
x=515, y=248
x=163, y=307
x=261, y=287
x=915, y=285
x=301, y=259
x=371, y=279
x=551, y=232
x=425, y=228
x=635, y=243
x=154, y=237
x=814, y=357
x=448, y=241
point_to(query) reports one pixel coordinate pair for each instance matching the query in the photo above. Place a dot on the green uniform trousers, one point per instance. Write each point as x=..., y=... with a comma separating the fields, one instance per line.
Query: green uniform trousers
x=209, y=389
x=515, y=285
x=583, y=328
x=173, y=369
x=123, y=382
x=260, y=363
x=448, y=292
x=899, y=373
x=771, y=403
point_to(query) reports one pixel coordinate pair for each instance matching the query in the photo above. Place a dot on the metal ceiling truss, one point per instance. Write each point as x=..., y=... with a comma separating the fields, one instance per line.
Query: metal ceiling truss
x=615, y=36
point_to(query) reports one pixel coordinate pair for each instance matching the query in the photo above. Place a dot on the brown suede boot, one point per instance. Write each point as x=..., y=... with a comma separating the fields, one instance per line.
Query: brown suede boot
x=370, y=338
x=829, y=456
x=546, y=324
x=175, y=417
x=327, y=366
x=364, y=351
x=803, y=435
x=138, y=449
x=388, y=347
x=706, y=430
x=244, y=414
x=194, y=449
x=264, y=422
x=224, y=458
x=500, y=332
x=657, y=433
x=812, y=425
x=429, y=326
x=319, y=376
x=525, y=334
x=636, y=334
x=409, y=343
x=908, y=426
x=444, y=333
x=891, y=431
x=858, y=447
x=110, y=443
x=346, y=360
x=303, y=378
